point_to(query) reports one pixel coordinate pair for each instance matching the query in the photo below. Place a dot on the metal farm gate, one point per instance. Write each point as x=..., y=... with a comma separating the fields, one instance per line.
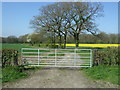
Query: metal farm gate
x=57, y=57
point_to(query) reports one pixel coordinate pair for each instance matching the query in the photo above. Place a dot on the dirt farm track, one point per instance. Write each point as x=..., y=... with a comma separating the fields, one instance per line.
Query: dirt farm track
x=57, y=78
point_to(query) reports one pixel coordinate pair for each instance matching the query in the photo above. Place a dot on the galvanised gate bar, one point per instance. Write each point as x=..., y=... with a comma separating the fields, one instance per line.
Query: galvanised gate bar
x=56, y=57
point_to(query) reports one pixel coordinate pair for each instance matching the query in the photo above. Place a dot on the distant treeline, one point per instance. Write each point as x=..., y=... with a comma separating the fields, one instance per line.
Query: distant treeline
x=47, y=38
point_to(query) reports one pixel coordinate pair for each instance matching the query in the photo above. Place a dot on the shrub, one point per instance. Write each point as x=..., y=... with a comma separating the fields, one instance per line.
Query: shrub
x=9, y=57
x=108, y=56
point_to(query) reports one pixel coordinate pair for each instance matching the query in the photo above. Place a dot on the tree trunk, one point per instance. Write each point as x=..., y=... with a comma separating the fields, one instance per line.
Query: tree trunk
x=60, y=40
x=76, y=38
x=31, y=43
x=54, y=39
x=77, y=42
x=65, y=37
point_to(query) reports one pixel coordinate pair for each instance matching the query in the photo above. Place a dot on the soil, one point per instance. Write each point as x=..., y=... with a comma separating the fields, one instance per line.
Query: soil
x=57, y=78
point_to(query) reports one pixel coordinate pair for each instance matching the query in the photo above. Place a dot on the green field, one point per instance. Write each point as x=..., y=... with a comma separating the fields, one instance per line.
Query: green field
x=15, y=46
x=18, y=46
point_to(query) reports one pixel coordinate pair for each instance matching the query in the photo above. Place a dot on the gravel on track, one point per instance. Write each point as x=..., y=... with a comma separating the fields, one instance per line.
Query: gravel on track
x=55, y=78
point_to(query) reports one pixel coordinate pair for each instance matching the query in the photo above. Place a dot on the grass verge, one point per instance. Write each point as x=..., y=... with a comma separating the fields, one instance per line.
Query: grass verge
x=0, y=75
x=102, y=72
x=12, y=73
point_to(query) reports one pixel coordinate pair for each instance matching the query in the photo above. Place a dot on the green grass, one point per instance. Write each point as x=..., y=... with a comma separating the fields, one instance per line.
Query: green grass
x=30, y=54
x=30, y=50
x=83, y=51
x=44, y=50
x=102, y=72
x=16, y=46
x=12, y=73
x=36, y=50
x=53, y=54
x=65, y=51
x=0, y=46
x=85, y=55
x=0, y=75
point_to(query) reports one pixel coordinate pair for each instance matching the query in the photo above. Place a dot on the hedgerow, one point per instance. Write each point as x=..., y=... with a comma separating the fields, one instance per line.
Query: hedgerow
x=9, y=57
x=108, y=56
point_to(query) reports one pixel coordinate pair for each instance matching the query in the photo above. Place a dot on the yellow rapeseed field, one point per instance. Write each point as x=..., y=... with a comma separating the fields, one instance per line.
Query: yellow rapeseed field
x=95, y=45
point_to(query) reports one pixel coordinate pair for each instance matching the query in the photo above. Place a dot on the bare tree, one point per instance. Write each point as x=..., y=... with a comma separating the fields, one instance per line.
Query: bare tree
x=82, y=16
x=68, y=17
